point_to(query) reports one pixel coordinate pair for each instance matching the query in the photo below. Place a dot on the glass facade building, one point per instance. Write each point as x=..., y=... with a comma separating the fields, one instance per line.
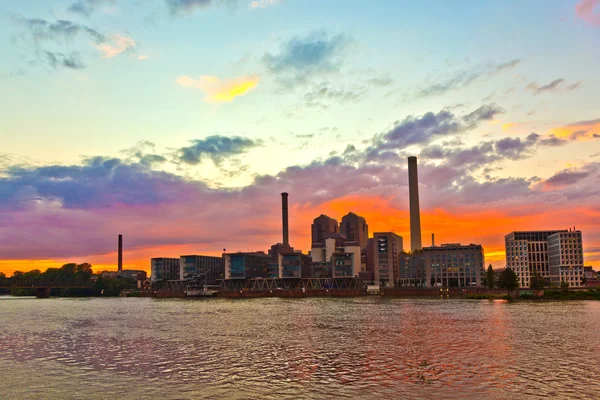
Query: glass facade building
x=247, y=265
x=164, y=269
x=454, y=265
x=207, y=269
x=411, y=270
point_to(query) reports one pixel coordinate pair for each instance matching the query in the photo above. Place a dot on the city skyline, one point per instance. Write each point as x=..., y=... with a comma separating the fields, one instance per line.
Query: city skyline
x=109, y=128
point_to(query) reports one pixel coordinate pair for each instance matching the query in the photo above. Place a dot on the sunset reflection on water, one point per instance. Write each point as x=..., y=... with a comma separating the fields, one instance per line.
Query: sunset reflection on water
x=299, y=348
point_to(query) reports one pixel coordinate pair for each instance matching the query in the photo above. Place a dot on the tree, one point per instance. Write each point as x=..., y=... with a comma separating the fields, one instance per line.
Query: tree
x=508, y=280
x=490, y=277
x=564, y=285
x=83, y=271
x=537, y=282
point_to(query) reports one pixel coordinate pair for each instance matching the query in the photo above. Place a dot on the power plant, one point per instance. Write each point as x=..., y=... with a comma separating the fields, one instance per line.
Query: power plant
x=415, y=213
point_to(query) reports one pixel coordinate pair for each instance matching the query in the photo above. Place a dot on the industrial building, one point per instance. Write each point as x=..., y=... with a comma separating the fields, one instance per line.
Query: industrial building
x=323, y=226
x=164, y=269
x=343, y=255
x=355, y=228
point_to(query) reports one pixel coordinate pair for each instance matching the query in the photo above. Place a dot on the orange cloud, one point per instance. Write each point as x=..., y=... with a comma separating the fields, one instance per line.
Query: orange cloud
x=583, y=130
x=218, y=91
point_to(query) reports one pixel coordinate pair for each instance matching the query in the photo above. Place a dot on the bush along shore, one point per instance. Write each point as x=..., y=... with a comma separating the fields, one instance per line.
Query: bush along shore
x=548, y=294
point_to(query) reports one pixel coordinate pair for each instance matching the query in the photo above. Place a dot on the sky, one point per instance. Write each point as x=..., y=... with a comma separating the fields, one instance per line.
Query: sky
x=178, y=123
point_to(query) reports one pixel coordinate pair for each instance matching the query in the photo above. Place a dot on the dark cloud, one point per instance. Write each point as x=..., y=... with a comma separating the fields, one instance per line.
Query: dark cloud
x=464, y=78
x=515, y=148
x=383, y=80
x=144, y=152
x=556, y=85
x=485, y=153
x=423, y=130
x=39, y=32
x=58, y=60
x=87, y=7
x=322, y=95
x=58, y=31
x=182, y=7
x=215, y=147
x=565, y=178
x=100, y=182
x=301, y=57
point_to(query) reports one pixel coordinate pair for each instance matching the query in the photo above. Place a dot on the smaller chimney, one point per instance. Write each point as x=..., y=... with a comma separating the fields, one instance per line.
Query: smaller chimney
x=284, y=217
x=120, y=265
x=432, y=240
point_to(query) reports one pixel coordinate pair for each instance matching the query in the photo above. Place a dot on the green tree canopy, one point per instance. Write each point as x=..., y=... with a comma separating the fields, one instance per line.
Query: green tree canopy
x=508, y=280
x=490, y=277
x=537, y=282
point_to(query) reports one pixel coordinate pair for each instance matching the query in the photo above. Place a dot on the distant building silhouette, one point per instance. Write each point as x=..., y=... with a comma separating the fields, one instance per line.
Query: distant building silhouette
x=355, y=228
x=321, y=227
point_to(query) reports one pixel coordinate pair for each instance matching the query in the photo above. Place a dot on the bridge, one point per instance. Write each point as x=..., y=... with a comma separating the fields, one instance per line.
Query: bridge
x=43, y=289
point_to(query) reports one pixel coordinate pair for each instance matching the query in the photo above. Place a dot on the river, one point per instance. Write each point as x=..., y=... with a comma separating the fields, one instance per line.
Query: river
x=313, y=348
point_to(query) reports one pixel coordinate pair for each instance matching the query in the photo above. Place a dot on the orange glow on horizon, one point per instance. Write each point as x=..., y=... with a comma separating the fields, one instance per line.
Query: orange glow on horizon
x=465, y=225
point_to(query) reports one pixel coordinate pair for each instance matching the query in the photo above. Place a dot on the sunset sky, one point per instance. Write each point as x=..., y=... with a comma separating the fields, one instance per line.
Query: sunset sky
x=179, y=122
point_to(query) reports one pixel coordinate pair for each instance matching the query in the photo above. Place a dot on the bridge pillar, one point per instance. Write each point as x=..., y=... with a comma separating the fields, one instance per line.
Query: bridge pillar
x=42, y=293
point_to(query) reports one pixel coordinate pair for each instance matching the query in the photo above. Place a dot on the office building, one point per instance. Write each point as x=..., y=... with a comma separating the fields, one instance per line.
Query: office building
x=355, y=228
x=294, y=265
x=386, y=257
x=411, y=270
x=164, y=269
x=454, y=265
x=527, y=254
x=247, y=265
x=565, y=258
x=205, y=269
x=323, y=226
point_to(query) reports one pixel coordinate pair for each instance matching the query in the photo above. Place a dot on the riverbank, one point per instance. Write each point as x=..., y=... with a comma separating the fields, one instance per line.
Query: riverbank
x=590, y=294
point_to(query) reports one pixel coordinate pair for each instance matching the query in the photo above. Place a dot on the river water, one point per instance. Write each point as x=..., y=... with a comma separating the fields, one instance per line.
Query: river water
x=359, y=348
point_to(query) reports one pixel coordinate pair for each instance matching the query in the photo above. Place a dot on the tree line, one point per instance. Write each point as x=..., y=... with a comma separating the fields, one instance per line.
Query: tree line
x=68, y=274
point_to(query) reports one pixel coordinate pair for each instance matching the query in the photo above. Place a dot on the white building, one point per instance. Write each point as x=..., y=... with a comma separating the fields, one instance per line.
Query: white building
x=528, y=255
x=343, y=255
x=565, y=252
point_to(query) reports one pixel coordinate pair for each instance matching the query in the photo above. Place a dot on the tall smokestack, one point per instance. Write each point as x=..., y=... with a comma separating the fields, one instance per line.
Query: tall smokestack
x=120, y=267
x=415, y=213
x=284, y=217
x=432, y=240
